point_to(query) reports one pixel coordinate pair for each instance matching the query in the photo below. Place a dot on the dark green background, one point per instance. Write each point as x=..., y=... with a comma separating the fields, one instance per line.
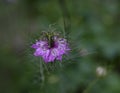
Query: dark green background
x=94, y=36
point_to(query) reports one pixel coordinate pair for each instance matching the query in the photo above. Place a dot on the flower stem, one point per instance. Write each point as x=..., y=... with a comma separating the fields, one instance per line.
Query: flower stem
x=87, y=90
x=41, y=73
x=66, y=17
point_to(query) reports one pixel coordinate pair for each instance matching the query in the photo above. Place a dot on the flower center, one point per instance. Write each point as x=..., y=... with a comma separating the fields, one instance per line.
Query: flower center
x=50, y=37
x=52, y=44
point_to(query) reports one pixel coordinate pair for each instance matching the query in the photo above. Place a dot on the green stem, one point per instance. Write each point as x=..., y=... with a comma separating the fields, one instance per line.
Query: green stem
x=66, y=17
x=44, y=64
x=41, y=73
x=87, y=90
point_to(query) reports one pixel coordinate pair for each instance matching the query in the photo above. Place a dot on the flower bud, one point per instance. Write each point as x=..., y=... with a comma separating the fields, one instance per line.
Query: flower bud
x=101, y=71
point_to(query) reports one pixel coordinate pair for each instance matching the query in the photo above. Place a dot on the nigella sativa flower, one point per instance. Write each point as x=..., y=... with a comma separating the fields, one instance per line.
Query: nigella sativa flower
x=51, y=47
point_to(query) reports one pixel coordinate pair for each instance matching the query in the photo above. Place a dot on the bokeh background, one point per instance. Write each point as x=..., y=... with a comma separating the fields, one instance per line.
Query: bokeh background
x=94, y=36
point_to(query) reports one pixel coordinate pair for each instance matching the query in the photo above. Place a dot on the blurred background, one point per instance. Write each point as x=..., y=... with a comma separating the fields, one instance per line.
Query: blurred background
x=93, y=27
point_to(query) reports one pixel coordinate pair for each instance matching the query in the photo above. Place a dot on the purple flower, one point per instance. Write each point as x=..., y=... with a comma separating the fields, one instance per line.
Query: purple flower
x=51, y=51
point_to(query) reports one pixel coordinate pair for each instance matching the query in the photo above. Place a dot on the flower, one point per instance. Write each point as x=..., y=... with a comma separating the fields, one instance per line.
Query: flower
x=51, y=49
